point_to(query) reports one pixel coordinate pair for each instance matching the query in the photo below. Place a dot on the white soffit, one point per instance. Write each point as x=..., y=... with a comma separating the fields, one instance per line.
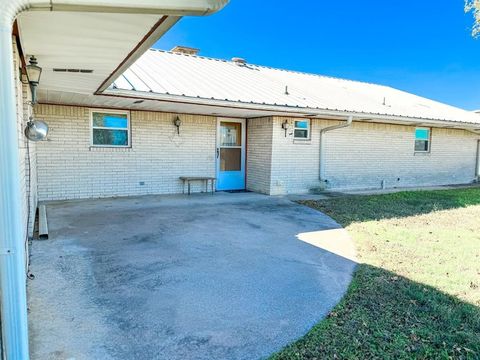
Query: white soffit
x=77, y=40
x=114, y=102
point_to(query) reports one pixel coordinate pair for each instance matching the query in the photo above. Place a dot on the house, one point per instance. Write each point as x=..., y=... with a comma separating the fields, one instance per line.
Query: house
x=173, y=114
x=125, y=120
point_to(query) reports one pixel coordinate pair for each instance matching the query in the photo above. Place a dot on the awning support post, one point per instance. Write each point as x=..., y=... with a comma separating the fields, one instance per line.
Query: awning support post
x=13, y=304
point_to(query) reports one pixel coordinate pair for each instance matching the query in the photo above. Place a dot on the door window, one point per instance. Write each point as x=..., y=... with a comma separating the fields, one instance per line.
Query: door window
x=230, y=146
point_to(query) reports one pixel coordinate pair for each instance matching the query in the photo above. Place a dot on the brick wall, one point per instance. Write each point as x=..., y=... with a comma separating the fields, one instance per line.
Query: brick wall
x=294, y=162
x=361, y=156
x=365, y=154
x=27, y=150
x=69, y=168
x=259, y=154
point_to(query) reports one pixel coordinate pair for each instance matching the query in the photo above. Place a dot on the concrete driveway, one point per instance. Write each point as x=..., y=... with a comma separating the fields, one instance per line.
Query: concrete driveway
x=229, y=276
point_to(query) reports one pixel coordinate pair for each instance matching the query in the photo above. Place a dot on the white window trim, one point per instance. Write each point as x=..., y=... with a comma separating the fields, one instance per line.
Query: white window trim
x=308, y=138
x=110, y=111
x=429, y=140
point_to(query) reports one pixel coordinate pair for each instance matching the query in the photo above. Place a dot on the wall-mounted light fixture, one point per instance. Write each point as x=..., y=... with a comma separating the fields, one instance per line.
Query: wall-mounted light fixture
x=177, y=122
x=285, y=126
x=36, y=130
x=33, y=73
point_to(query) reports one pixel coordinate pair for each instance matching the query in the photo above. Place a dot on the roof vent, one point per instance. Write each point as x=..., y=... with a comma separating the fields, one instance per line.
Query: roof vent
x=83, y=71
x=239, y=61
x=185, y=50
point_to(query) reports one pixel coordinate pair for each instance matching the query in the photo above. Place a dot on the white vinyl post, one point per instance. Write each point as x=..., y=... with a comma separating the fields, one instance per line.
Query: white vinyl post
x=13, y=304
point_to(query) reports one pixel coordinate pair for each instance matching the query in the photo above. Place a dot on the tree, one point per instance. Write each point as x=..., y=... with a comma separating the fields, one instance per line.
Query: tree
x=474, y=7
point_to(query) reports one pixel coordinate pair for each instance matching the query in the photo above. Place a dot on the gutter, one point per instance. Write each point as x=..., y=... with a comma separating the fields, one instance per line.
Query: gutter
x=13, y=297
x=323, y=132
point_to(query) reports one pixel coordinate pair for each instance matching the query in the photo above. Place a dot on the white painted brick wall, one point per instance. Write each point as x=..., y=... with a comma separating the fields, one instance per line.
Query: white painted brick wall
x=259, y=154
x=27, y=150
x=365, y=154
x=69, y=168
x=361, y=156
x=294, y=162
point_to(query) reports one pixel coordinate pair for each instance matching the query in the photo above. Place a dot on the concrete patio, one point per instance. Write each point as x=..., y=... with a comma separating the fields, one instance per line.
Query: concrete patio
x=229, y=276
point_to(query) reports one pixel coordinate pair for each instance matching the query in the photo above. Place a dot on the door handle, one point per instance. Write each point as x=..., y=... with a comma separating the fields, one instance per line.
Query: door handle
x=218, y=152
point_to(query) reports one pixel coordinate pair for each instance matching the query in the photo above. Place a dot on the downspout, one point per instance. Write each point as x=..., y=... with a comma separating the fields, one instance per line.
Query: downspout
x=477, y=169
x=322, y=145
x=477, y=157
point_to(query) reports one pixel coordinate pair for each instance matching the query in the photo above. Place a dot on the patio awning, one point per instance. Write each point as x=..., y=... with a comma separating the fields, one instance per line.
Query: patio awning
x=84, y=45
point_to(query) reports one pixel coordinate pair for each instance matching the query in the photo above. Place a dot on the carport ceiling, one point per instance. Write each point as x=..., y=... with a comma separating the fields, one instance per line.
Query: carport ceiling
x=89, y=41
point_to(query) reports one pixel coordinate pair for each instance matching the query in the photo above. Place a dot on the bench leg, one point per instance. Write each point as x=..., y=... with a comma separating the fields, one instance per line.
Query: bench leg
x=213, y=182
x=183, y=186
x=188, y=187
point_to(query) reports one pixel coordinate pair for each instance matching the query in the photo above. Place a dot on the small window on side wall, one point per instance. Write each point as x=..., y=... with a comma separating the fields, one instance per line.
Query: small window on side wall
x=301, y=129
x=422, y=139
x=110, y=129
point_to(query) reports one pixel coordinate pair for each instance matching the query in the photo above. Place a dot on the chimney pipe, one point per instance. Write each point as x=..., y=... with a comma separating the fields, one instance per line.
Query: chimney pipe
x=185, y=50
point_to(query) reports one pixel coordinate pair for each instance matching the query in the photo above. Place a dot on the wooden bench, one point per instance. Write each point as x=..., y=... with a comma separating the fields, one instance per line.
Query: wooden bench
x=189, y=179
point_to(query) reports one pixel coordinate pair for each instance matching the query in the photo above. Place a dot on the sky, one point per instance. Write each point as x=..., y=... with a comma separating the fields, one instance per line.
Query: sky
x=423, y=47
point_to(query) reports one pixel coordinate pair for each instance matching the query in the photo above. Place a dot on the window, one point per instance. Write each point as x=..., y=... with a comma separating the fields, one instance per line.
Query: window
x=301, y=129
x=422, y=140
x=110, y=129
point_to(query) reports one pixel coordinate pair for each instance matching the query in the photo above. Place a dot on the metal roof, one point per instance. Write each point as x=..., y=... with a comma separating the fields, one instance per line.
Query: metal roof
x=161, y=73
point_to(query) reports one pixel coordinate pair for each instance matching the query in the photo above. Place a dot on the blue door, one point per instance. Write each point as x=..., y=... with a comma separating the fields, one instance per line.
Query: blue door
x=230, y=154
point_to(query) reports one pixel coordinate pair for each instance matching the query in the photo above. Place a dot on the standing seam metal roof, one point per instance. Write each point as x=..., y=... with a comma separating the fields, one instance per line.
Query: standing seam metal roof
x=166, y=73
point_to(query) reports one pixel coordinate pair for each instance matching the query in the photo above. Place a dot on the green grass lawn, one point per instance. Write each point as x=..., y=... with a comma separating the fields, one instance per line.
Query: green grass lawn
x=416, y=291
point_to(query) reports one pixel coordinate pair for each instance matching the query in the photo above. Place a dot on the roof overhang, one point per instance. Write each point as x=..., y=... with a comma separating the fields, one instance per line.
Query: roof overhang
x=279, y=110
x=105, y=36
x=146, y=101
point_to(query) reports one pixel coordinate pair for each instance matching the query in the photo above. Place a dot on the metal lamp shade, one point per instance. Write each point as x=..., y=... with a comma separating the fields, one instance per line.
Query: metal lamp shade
x=36, y=130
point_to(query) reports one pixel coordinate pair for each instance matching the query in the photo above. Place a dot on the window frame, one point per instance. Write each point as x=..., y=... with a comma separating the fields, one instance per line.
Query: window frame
x=309, y=126
x=111, y=111
x=429, y=141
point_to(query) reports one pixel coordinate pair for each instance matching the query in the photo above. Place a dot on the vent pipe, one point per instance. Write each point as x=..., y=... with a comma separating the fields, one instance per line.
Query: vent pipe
x=185, y=50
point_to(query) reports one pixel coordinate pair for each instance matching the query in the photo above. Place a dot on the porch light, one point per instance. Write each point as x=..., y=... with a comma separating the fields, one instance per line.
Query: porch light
x=33, y=73
x=177, y=122
x=285, y=126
